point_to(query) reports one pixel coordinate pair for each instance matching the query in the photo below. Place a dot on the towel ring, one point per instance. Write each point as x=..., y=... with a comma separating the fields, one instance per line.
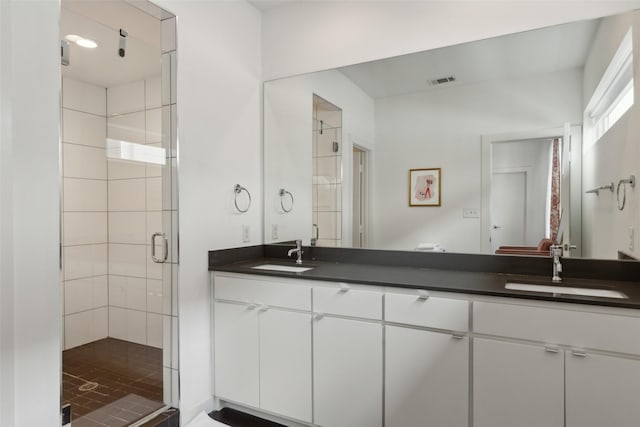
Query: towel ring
x=622, y=183
x=282, y=193
x=237, y=190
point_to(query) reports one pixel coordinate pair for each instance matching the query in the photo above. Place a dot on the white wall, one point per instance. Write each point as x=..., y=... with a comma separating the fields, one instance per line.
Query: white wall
x=304, y=37
x=615, y=156
x=443, y=128
x=29, y=214
x=219, y=105
x=288, y=142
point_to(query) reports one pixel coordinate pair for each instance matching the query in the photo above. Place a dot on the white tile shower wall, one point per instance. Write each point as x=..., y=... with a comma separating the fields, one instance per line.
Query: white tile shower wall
x=327, y=177
x=139, y=289
x=84, y=213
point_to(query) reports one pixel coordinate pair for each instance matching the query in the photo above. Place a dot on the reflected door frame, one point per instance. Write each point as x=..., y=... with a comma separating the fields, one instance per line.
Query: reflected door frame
x=363, y=191
x=576, y=172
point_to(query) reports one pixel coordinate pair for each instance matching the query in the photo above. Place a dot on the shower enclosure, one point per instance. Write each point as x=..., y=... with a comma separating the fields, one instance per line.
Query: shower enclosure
x=119, y=211
x=327, y=173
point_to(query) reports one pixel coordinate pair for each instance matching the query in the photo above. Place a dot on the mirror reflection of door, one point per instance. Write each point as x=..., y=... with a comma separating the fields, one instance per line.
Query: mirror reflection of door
x=520, y=192
x=359, y=193
x=508, y=208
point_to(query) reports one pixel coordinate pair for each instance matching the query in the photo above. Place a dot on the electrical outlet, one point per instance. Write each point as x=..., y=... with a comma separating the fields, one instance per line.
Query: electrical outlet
x=631, y=233
x=274, y=232
x=246, y=233
x=470, y=213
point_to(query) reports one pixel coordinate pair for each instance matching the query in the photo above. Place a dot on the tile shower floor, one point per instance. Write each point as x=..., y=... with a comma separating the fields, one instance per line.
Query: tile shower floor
x=111, y=382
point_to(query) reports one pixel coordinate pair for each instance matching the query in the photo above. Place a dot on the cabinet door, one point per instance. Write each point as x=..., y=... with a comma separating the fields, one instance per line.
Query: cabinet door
x=517, y=385
x=347, y=373
x=285, y=363
x=236, y=364
x=426, y=378
x=602, y=391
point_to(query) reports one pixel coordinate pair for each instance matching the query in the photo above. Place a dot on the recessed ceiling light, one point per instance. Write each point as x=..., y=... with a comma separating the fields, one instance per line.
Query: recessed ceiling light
x=81, y=41
x=72, y=37
x=88, y=43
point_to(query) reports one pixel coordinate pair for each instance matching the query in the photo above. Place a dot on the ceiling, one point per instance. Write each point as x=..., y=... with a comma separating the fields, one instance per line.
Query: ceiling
x=101, y=21
x=519, y=55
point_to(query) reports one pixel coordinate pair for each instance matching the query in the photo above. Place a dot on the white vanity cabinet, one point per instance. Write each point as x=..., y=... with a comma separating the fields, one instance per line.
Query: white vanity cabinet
x=602, y=390
x=236, y=355
x=347, y=355
x=327, y=354
x=285, y=363
x=347, y=372
x=574, y=366
x=517, y=385
x=426, y=378
x=426, y=371
x=262, y=354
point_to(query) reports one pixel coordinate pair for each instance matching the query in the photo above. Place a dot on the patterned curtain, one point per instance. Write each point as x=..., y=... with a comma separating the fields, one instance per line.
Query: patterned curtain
x=554, y=217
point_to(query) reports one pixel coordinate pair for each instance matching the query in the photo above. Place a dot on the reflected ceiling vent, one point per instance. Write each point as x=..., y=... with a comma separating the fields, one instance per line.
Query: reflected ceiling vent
x=442, y=80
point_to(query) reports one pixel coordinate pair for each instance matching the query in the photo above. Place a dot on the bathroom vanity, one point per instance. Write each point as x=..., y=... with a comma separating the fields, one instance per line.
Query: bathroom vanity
x=357, y=342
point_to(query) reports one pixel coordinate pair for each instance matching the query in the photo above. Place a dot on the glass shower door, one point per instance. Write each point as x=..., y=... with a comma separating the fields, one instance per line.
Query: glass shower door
x=119, y=214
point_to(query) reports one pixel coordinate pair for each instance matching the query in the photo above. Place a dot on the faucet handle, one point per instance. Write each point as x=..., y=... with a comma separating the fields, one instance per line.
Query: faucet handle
x=555, y=250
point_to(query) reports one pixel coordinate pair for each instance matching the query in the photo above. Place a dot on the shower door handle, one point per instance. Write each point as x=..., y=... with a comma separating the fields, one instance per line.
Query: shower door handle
x=165, y=247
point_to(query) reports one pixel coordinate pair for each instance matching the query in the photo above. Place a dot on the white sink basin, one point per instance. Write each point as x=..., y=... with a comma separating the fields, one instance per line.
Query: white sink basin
x=566, y=290
x=287, y=268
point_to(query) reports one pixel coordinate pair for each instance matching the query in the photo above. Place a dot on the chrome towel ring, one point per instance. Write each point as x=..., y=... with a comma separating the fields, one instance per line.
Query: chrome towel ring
x=283, y=193
x=237, y=190
x=623, y=183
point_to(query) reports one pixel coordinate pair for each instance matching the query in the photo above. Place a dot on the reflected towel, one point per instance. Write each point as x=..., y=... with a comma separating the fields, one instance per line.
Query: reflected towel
x=428, y=247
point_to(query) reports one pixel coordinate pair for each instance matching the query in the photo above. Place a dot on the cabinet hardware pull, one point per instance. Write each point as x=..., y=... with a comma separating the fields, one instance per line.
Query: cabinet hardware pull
x=551, y=349
x=457, y=336
x=344, y=287
x=423, y=295
x=252, y=306
x=318, y=316
x=579, y=353
x=263, y=308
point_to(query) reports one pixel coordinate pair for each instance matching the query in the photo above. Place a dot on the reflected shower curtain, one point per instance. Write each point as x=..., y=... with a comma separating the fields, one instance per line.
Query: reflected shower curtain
x=554, y=217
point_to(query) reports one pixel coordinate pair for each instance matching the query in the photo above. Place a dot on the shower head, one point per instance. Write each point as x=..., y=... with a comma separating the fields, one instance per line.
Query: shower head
x=123, y=43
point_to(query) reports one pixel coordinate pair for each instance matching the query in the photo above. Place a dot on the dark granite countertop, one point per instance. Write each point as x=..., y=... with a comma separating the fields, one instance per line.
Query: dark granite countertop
x=491, y=283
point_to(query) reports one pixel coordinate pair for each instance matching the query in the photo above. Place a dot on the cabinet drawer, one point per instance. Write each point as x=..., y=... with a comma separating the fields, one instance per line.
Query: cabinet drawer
x=346, y=301
x=275, y=294
x=559, y=326
x=432, y=312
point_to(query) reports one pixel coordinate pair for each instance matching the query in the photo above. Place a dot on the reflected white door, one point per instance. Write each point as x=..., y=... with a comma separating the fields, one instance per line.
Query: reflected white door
x=508, y=208
x=359, y=193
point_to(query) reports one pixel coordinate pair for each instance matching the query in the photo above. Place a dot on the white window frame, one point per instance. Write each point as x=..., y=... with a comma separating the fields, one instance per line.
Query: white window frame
x=614, y=94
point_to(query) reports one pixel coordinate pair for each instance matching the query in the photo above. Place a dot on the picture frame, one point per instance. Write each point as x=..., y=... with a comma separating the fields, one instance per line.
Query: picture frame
x=425, y=187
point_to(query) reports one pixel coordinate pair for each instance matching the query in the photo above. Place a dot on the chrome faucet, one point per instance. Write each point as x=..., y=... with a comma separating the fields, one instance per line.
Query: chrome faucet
x=298, y=250
x=556, y=252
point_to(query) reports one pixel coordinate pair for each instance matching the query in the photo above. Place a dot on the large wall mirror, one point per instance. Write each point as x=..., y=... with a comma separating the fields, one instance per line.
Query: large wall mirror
x=470, y=148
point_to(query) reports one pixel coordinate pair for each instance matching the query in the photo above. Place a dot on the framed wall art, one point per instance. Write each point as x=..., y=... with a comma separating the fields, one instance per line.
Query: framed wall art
x=424, y=187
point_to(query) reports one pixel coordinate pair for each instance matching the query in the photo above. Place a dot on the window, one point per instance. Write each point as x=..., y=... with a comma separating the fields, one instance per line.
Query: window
x=614, y=94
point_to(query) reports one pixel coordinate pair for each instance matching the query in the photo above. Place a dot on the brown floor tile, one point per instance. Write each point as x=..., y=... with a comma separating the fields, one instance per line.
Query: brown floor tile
x=129, y=378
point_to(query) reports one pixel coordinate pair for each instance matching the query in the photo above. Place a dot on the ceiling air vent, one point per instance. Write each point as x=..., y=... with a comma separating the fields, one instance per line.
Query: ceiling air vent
x=442, y=80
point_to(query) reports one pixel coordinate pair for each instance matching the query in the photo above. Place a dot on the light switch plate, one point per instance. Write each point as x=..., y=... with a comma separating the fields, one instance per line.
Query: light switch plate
x=246, y=233
x=470, y=213
x=274, y=231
